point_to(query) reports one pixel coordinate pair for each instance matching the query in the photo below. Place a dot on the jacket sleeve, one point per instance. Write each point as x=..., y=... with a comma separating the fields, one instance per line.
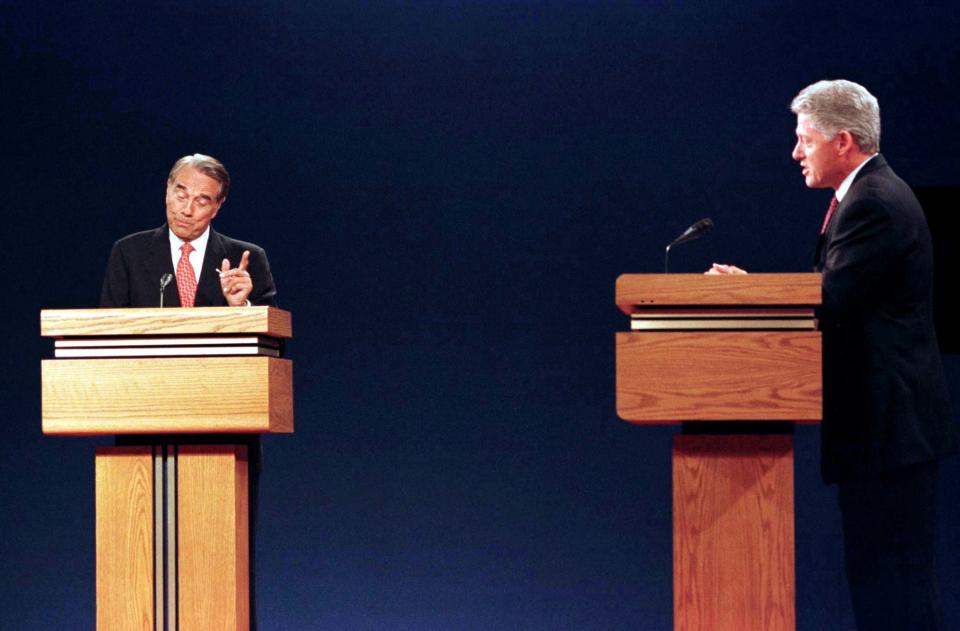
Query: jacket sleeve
x=264, y=291
x=116, y=285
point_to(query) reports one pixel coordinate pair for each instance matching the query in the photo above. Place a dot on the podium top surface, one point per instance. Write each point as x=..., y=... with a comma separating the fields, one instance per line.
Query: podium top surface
x=169, y=321
x=636, y=292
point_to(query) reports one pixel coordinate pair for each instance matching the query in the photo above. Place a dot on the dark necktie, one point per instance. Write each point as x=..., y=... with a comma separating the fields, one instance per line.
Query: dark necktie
x=826, y=219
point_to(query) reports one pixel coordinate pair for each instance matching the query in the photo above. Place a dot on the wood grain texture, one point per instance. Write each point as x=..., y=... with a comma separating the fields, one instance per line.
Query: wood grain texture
x=213, y=538
x=733, y=533
x=668, y=377
x=664, y=290
x=281, y=396
x=166, y=395
x=174, y=320
x=124, y=538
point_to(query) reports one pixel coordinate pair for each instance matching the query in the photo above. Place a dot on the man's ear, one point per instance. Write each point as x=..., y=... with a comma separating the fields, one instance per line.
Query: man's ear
x=844, y=142
x=217, y=209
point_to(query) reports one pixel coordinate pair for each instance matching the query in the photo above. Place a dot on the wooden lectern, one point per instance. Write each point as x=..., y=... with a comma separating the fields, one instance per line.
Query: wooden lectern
x=172, y=520
x=736, y=359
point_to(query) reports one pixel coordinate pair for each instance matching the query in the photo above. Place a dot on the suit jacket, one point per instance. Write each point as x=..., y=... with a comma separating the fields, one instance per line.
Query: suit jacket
x=138, y=261
x=884, y=392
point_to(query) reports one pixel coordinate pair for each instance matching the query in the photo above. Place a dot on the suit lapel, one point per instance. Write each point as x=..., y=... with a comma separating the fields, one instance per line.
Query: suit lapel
x=161, y=263
x=820, y=254
x=208, y=285
x=823, y=239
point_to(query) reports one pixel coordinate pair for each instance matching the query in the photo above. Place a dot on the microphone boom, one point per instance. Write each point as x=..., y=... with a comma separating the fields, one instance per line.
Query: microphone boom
x=695, y=231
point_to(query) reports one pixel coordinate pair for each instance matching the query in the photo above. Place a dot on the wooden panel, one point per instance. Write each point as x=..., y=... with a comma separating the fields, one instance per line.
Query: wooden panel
x=733, y=533
x=281, y=396
x=124, y=503
x=213, y=538
x=664, y=290
x=167, y=394
x=665, y=377
x=173, y=320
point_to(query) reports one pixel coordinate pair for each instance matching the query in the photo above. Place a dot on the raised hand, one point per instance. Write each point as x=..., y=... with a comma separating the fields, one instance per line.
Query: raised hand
x=236, y=283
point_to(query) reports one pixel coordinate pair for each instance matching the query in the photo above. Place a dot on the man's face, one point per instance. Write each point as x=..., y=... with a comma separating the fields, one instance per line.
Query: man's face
x=817, y=155
x=191, y=203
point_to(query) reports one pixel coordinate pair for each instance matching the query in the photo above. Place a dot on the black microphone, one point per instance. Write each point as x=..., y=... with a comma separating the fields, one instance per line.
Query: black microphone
x=695, y=231
x=164, y=281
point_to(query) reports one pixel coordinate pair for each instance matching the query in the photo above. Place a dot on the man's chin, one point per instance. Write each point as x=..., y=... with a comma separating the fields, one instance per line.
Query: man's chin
x=186, y=235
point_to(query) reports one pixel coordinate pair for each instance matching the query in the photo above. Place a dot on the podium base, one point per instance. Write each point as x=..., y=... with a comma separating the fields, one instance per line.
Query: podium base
x=172, y=537
x=733, y=532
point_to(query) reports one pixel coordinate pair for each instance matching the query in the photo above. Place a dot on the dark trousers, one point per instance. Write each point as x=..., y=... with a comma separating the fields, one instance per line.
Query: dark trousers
x=889, y=535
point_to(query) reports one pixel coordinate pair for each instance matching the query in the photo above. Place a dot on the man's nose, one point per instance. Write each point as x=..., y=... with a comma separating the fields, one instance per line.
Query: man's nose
x=797, y=154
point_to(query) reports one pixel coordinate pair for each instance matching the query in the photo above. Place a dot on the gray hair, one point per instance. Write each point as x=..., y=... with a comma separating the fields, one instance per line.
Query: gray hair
x=211, y=167
x=841, y=105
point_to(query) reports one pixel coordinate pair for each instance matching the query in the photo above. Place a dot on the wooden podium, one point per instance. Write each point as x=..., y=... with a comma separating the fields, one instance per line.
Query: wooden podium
x=736, y=359
x=171, y=513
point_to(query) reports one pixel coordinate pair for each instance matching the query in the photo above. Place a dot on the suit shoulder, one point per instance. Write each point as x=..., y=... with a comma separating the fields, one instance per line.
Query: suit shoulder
x=883, y=198
x=232, y=244
x=136, y=239
x=880, y=182
x=885, y=189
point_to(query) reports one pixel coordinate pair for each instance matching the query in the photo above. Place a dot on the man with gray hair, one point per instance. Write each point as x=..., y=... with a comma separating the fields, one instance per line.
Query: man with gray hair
x=211, y=269
x=886, y=418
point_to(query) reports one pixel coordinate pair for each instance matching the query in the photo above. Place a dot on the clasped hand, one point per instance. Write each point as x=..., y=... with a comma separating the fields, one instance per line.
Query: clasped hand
x=717, y=269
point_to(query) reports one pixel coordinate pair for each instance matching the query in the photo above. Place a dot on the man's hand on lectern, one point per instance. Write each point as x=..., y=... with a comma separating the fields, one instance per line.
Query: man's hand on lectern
x=718, y=269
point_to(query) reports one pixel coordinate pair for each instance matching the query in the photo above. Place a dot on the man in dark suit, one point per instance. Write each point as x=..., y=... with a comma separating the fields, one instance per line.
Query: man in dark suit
x=196, y=189
x=187, y=248
x=887, y=417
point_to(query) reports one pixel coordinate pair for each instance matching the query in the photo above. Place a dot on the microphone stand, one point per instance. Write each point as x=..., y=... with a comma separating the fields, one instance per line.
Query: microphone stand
x=164, y=281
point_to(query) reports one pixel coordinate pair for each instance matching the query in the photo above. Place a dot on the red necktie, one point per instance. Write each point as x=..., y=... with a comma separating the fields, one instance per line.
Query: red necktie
x=826, y=220
x=186, y=280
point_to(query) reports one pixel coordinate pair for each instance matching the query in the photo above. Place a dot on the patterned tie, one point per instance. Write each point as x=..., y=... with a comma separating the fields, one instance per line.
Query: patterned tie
x=826, y=220
x=186, y=280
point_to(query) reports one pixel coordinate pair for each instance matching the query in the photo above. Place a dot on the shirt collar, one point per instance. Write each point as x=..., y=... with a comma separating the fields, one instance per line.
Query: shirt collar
x=847, y=181
x=199, y=244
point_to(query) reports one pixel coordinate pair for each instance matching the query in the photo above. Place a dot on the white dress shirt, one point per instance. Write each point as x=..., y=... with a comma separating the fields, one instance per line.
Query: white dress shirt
x=196, y=257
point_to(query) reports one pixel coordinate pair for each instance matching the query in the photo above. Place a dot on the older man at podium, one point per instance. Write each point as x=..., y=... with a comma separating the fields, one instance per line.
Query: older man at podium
x=887, y=418
x=211, y=269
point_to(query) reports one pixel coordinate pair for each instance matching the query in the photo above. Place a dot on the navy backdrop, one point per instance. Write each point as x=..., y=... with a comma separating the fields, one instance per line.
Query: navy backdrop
x=447, y=192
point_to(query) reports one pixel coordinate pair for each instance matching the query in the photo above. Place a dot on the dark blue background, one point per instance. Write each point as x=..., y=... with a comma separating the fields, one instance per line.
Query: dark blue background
x=447, y=192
